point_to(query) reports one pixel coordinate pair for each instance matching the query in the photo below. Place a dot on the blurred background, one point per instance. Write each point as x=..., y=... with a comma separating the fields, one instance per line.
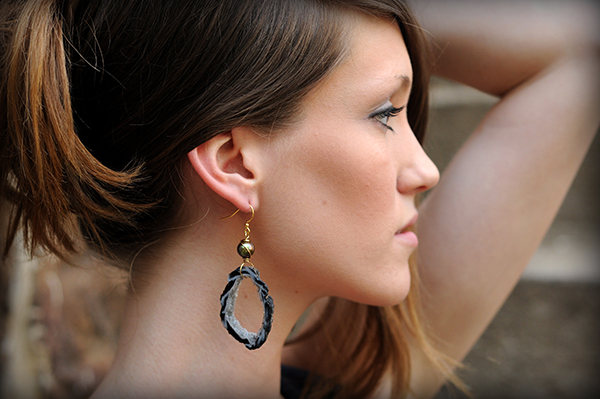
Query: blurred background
x=59, y=323
x=545, y=341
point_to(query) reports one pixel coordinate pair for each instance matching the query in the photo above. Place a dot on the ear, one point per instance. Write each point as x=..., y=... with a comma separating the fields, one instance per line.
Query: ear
x=229, y=164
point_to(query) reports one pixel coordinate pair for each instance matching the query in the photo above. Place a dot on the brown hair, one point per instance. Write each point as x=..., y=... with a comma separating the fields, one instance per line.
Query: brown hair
x=102, y=99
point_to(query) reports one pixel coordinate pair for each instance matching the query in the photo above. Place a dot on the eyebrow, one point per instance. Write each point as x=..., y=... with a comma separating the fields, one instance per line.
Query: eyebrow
x=406, y=81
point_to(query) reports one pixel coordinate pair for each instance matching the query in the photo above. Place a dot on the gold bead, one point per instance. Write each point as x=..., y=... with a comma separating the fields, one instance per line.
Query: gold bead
x=245, y=249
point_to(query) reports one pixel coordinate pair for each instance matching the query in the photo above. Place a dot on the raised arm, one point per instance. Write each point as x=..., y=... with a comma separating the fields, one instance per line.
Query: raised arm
x=480, y=226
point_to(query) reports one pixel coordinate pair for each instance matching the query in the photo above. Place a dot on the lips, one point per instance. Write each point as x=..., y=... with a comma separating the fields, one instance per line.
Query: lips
x=411, y=223
x=407, y=237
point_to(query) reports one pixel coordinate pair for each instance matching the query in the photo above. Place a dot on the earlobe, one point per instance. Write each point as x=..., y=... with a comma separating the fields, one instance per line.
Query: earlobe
x=220, y=164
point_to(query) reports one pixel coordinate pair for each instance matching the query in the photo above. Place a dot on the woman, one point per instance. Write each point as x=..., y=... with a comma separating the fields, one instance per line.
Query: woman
x=134, y=130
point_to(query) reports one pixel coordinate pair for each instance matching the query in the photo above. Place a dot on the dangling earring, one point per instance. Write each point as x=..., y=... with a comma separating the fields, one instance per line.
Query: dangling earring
x=246, y=270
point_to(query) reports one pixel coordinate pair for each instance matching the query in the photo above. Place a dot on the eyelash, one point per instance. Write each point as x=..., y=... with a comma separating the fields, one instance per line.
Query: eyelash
x=387, y=113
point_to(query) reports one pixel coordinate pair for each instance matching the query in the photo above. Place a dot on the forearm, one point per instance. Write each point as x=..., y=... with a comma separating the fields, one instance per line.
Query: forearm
x=479, y=227
x=496, y=46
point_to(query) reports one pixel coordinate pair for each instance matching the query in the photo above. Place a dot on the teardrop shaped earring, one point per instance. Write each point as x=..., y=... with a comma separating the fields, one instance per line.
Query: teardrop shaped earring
x=246, y=270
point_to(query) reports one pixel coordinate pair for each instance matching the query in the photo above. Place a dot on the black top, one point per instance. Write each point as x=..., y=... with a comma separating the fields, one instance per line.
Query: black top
x=293, y=381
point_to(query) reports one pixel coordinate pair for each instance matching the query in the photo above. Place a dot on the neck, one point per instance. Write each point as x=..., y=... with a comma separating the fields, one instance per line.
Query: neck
x=172, y=342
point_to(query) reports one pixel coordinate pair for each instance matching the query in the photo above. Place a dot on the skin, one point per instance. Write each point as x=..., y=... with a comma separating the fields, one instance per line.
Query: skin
x=480, y=226
x=342, y=184
x=339, y=184
x=333, y=196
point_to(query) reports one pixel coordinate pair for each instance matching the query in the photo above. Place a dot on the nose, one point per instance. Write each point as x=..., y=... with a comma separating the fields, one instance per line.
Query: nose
x=419, y=174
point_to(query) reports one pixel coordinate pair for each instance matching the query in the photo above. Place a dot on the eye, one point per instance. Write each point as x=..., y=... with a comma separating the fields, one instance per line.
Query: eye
x=383, y=115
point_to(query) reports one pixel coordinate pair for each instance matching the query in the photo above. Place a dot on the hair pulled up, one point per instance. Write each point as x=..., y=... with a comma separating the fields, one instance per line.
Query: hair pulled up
x=46, y=171
x=101, y=100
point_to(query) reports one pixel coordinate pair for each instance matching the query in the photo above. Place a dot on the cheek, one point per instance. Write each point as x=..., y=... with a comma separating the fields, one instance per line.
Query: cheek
x=367, y=189
x=348, y=171
x=328, y=205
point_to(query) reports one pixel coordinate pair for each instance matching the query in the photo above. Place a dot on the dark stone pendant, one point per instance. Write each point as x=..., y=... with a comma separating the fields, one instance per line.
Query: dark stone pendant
x=229, y=296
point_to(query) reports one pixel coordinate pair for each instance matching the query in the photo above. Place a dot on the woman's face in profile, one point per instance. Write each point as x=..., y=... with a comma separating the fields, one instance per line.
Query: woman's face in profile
x=343, y=180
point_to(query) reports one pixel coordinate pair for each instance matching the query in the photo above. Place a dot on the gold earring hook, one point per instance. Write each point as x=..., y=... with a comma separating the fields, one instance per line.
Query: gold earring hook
x=252, y=216
x=236, y=212
x=230, y=216
x=245, y=247
x=247, y=230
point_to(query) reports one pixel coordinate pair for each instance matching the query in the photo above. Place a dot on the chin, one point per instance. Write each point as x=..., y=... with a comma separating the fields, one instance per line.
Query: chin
x=393, y=299
x=386, y=291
